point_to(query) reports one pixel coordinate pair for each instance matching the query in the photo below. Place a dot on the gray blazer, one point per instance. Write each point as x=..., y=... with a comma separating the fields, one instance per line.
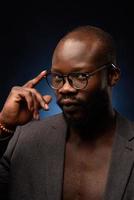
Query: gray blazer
x=32, y=166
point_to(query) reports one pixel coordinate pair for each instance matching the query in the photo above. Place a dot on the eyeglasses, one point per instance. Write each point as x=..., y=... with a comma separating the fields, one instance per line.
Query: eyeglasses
x=77, y=80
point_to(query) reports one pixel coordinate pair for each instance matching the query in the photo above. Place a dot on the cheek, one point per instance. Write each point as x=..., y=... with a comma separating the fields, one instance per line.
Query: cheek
x=97, y=82
x=92, y=86
x=93, y=92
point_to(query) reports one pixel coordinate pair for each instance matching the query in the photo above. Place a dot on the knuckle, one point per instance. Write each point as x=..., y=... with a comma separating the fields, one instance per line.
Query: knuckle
x=15, y=89
x=29, y=92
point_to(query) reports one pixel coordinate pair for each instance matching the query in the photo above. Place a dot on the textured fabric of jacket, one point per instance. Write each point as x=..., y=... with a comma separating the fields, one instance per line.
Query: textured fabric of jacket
x=33, y=165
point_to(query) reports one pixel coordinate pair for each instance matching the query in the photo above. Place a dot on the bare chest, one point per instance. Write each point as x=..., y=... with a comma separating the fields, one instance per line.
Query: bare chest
x=85, y=173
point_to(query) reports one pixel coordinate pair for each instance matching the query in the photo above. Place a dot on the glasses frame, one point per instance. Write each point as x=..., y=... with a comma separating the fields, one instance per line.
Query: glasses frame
x=87, y=75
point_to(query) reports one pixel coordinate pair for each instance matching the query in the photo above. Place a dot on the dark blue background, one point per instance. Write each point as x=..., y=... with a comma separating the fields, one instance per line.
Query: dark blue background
x=30, y=32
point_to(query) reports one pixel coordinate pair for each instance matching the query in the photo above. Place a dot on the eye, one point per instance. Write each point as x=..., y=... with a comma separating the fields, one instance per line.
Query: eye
x=57, y=77
x=80, y=76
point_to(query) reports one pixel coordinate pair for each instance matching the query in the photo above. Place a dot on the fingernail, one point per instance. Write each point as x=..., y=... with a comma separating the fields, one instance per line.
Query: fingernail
x=43, y=72
x=46, y=107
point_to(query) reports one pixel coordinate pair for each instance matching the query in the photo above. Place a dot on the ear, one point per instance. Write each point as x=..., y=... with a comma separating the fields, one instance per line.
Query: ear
x=113, y=76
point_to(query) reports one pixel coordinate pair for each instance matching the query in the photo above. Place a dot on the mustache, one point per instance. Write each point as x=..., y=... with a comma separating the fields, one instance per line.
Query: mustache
x=71, y=98
x=97, y=100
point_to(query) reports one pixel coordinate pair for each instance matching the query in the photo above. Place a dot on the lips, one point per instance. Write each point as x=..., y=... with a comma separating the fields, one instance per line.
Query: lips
x=68, y=105
x=67, y=102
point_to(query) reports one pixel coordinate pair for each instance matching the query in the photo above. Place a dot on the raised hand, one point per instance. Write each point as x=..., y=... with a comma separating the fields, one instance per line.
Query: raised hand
x=24, y=103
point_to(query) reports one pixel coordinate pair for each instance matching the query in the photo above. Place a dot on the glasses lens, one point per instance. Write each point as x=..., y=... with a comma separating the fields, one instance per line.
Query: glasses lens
x=55, y=80
x=78, y=80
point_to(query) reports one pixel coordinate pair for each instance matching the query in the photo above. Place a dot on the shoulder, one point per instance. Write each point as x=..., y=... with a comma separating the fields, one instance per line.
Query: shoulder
x=123, y=120
x=125, y=126
x=48, y=122
x=49, y=131
x=42, y=129
x=37, y=136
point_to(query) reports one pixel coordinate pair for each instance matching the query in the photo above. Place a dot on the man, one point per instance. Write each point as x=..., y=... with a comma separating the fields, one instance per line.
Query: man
x=84, y=153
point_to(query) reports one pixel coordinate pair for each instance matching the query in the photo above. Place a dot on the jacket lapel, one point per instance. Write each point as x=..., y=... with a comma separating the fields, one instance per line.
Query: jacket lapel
x=122, y=160
x=55, y=159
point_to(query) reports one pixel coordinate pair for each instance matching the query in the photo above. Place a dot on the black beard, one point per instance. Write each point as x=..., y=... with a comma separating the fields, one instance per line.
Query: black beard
x=95, y=115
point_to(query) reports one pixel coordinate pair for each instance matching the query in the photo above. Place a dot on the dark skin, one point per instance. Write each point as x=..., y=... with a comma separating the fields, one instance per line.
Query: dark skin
x=88, y=112
x=78, y=56
x=23, y=104
x=91, y=130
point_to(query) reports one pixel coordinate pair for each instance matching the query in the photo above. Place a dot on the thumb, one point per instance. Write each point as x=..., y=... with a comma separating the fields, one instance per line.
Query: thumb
x=47, y=99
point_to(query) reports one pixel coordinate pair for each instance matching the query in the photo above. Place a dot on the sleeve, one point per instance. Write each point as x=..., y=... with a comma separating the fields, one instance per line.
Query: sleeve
x=8, y=144
x=3, y=144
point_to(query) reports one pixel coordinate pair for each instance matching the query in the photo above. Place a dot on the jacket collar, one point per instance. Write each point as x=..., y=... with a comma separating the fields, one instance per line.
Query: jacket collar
x=122, y=159
x=55, y=158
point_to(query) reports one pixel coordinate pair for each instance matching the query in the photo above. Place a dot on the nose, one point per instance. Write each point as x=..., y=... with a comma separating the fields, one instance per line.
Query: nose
x=66, y=88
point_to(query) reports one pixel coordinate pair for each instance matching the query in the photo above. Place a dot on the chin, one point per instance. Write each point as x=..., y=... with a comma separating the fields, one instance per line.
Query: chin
x=76, y=118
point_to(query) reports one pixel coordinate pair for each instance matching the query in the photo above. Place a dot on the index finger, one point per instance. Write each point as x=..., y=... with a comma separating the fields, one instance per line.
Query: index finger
x=32, y=83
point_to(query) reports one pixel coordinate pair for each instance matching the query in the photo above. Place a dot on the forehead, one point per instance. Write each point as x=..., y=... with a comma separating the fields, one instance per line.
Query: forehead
x=72, y=48
x=77, y=54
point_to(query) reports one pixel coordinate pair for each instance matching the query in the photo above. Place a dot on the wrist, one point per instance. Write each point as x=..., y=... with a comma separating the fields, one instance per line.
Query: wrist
x=6, y=126
x=6, y=130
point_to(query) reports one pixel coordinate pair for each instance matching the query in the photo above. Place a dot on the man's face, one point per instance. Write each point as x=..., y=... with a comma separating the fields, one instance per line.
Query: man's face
x=80, y=104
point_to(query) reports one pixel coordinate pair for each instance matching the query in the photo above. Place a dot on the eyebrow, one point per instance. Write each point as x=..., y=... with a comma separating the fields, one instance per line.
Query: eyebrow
x=77, y=67
x=82, y=69
x=75, y=70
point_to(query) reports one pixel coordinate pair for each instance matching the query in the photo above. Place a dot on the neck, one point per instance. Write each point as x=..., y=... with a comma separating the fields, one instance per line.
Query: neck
x=94, y=127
